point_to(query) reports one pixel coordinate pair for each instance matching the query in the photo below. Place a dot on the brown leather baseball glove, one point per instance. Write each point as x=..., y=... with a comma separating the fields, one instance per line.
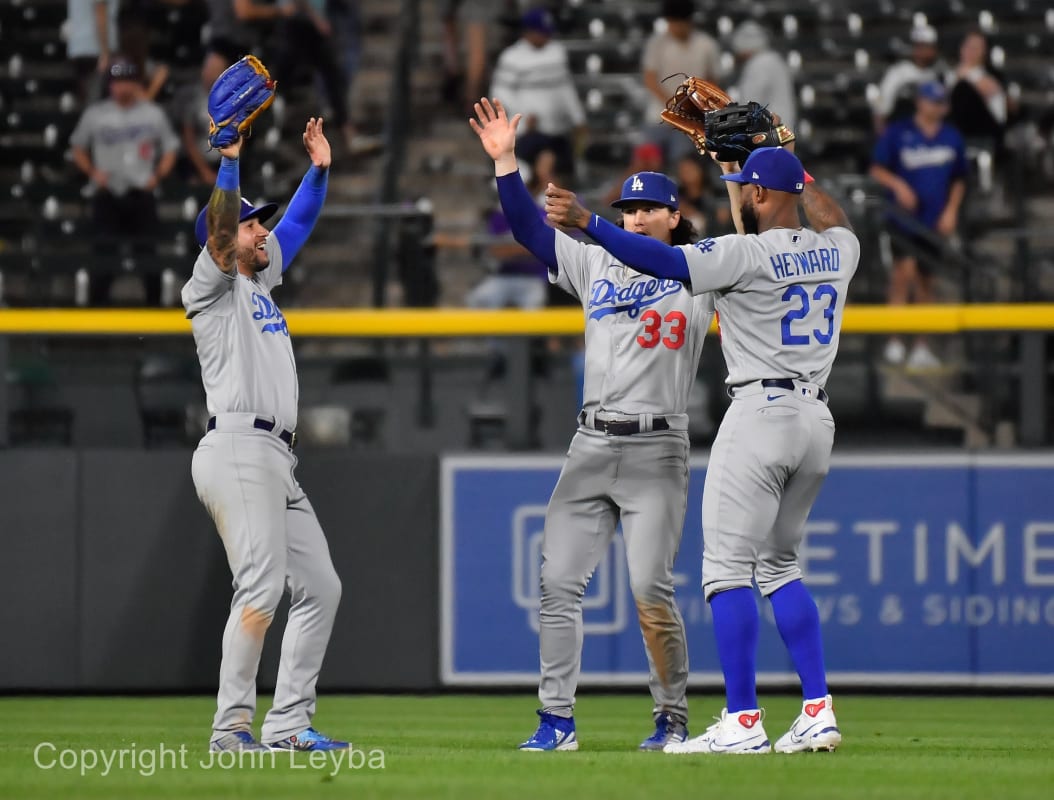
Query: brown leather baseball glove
x=687, y=109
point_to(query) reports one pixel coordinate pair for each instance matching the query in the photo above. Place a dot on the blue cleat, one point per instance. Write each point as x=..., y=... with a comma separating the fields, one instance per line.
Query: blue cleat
x=309, y=739
x=554, y=733
x=667, y=730
x=239, y=742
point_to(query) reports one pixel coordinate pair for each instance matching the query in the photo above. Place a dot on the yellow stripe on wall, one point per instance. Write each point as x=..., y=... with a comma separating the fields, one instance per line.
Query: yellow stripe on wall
x=371, y=323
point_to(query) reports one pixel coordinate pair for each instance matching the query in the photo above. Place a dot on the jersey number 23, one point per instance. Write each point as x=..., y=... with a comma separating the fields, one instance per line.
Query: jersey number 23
x=795, y=327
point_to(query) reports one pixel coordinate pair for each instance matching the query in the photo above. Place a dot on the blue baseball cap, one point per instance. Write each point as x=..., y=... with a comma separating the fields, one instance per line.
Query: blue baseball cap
x=648, y=187
x=538, y=19
x=933, y=91
x=774, y=168
x=263, y=213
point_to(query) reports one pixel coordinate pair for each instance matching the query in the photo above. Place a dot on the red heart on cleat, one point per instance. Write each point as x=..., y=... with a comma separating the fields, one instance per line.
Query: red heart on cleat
x=812, y=709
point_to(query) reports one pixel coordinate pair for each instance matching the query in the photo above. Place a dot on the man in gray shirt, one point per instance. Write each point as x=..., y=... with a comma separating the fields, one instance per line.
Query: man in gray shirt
x=126, y=146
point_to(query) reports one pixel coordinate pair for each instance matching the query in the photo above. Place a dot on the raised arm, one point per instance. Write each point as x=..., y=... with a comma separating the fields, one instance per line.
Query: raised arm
x=224, y=210
x=821, y=210
x=304, y=209
x=735, y=192
x=643, y=253
x=497, y=134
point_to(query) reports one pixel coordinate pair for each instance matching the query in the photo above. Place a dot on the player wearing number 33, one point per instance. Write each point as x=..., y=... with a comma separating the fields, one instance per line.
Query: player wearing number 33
x=780, y=292
x=628, y=461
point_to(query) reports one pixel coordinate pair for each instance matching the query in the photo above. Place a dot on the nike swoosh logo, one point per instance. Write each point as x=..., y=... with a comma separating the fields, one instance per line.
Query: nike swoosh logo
x=809, y=732
x=714, y=748
x=772, y=397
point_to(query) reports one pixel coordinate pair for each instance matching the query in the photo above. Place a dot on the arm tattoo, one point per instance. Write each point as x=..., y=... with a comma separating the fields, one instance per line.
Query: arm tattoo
x=222, y=220
x=821, y=210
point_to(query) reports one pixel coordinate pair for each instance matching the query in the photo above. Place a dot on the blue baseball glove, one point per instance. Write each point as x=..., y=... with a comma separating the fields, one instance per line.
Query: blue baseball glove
x=238, y=97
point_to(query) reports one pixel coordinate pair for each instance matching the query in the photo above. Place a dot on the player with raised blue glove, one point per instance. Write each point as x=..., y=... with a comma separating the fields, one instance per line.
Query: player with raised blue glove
x=243, y=468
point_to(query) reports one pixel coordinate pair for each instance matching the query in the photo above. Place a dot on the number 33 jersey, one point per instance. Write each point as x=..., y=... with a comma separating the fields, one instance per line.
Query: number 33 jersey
x=780, y=297
x=643, y=335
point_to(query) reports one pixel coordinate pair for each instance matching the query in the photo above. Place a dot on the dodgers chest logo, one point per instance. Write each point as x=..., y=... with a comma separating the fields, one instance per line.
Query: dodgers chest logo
x=606, y=297
x=267, y=312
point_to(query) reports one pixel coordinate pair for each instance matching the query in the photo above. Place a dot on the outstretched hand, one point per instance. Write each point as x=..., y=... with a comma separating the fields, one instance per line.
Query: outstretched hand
x=562, y=208
x=496, y=131
x=316, y=144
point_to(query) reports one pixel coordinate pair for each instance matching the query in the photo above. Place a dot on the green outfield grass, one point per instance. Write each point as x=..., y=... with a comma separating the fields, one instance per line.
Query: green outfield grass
x=460, y=746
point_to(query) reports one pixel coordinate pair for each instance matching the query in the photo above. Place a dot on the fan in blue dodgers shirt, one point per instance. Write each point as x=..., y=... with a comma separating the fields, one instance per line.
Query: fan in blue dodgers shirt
x=628, y=461
x=921, y=160
x=243, y=467
x=780, y=292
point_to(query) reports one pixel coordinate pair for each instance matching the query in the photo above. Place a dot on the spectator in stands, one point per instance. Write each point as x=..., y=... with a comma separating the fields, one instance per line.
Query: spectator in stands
x=519, y=280
x=896, y=98
x=92, y=37
x=463, y=82
x=533, y=78
x=680, y=50
x=126, y=147
x=978, y=99
x=346, y=19
x=198, y=161
x=764, y=75
x=921, y=161
x=307, y=38
x=134, y=42
x=696, y=201
x=232, y=28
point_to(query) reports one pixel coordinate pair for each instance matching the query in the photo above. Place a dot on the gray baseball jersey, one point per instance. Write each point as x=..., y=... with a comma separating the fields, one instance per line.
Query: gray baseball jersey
x=643, y=337
x=244, y=477
x=780, y=300
x=242, y=338
x=779, y=297
x=643, y=334
x=125, y=143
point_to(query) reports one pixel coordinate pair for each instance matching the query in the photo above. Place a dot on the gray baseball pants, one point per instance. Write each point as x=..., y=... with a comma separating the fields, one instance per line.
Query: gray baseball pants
x=642, y=480
x=274, y=543
x=766, y=468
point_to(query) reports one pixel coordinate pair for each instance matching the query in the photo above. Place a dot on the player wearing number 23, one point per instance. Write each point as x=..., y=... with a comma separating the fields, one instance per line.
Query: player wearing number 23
x=628, y=461
x=781, y=290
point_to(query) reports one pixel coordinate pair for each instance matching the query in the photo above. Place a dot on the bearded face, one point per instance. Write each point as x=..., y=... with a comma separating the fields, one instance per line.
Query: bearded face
x=251, y=238
x=748, y=211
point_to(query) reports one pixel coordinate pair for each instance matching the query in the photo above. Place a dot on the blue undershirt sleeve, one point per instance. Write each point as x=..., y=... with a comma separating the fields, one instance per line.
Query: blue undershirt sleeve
x=525, y=221
x=227, y=175
x=302, y=214
x=643, y=253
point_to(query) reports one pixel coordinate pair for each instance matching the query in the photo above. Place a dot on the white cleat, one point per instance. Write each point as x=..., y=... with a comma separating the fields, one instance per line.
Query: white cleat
x=741, y=734
x=814, y=729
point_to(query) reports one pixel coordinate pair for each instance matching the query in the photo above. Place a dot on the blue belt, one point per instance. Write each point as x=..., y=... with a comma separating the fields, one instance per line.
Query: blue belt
x=263, y=424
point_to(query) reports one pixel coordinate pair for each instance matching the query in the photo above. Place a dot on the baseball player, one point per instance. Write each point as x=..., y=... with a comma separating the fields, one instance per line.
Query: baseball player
x=780, y=293
x=628, y=460
x=243, y=466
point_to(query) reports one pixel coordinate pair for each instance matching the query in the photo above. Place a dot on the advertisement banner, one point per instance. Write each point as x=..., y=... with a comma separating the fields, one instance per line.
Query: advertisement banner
x=927, y=571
